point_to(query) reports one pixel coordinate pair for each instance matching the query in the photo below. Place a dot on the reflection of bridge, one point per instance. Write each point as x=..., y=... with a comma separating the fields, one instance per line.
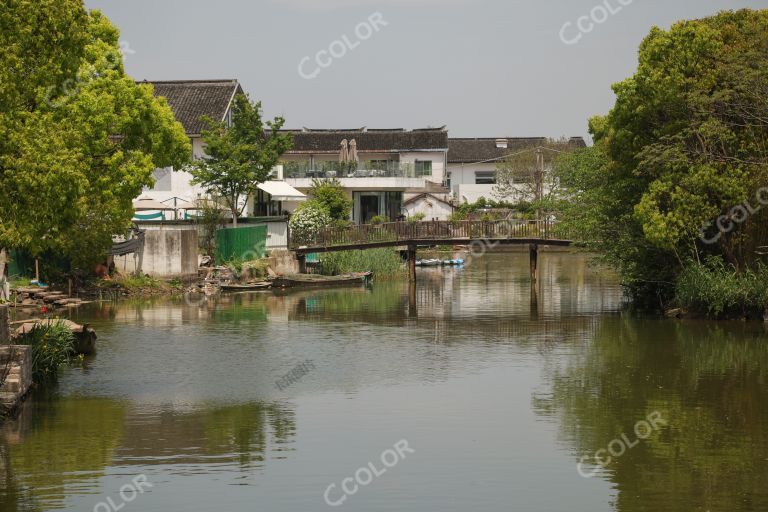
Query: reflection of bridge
x=481, y=234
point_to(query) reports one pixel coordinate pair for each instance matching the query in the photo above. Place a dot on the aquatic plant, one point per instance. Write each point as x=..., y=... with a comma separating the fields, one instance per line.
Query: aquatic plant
x=383, y=262
x=716, y=289
x=53, y=345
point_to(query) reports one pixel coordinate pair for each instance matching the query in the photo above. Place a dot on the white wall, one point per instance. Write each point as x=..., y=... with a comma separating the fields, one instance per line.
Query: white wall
x=438, y=163
x=430, y=207
x=465, y=174
x=180, y=181
x=465, y=190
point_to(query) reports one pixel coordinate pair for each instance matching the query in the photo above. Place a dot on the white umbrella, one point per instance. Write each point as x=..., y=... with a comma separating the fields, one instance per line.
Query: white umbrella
x=344, y=153
x=149, y=204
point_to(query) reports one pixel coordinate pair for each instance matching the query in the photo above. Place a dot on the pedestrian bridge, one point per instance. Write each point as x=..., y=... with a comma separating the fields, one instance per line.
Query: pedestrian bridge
x=487, y=234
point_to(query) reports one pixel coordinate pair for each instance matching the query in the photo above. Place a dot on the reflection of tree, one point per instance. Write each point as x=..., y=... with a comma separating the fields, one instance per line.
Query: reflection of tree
x=56, y=444
x=708, y=382
x=65, y=441
x=228, y=434
x=389, y=302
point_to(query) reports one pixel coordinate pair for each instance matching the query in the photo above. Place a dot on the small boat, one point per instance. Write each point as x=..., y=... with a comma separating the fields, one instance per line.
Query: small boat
x=304, y=280
x=428, y=263
x=453, y=263
x=245, y=287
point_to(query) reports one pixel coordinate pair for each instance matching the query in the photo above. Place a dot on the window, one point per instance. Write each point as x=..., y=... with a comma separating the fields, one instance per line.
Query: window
x=378, y=165
x=423, y=167
x=162, y=180
x=485, y=177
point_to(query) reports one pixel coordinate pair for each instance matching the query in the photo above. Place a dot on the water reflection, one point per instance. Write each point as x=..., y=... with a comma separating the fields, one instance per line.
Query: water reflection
x=708, y=381
x=502, y=387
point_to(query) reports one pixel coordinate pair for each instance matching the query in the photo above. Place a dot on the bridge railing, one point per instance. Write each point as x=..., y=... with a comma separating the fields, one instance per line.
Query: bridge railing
x=431, y=231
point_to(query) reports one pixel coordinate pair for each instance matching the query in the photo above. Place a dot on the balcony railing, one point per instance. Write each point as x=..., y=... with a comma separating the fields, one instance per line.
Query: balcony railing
x=292, y=170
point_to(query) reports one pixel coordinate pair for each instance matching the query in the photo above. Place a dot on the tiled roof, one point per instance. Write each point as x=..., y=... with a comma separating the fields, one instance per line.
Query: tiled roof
x=481, y=150
x=373, y=140
x=192, y=99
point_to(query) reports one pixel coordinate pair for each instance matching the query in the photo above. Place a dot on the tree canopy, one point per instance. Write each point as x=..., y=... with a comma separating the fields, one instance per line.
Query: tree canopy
x=684, y=144
x=240, y=155
x=79, y=139
x=331, y=195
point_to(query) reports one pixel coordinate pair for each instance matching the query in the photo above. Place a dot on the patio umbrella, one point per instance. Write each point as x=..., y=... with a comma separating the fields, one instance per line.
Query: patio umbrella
x=178, y=203
x=344, y=153
x=149, y=204
x=353, y=151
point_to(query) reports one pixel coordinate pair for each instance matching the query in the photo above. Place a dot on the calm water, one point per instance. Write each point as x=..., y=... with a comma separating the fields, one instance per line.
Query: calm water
x=498, y=392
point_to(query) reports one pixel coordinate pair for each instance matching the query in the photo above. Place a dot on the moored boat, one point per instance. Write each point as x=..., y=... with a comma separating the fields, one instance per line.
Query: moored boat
x=305, y=280
x=246, y=287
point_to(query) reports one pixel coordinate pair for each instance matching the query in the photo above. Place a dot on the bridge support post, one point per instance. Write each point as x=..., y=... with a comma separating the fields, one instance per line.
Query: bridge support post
x=534, y=254
x=412, y=263
x=302, y=259
x=412, y=311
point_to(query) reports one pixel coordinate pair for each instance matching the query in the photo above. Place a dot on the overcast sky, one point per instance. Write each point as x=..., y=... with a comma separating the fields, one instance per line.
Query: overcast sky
x=484, y=68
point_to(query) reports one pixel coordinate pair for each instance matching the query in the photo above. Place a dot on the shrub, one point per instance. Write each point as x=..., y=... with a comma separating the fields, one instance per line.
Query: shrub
x=53, y=344
x=417, y=217
x=379, y=219
x=331, y=195
x=309, y=218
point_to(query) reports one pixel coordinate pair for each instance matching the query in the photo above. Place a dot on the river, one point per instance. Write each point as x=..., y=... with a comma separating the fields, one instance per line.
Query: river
x=481, y=396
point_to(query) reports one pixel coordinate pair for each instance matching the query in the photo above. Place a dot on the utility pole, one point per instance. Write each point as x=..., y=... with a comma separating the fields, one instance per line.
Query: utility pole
x=538, y=179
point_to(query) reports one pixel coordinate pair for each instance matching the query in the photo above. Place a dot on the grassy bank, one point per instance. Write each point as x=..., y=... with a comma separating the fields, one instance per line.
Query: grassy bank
x=132, y=286
x=718, y=291
x=383, y=263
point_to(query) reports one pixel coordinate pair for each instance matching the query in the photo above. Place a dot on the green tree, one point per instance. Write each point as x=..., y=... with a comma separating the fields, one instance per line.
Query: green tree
x=240, y=155
x=78, y=138
x=526, y=175
x=330, y=194
x=684, y=144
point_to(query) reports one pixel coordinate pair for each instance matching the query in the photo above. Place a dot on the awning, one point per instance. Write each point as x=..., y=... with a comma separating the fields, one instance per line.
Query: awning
x=144, y=204
x=281, y=191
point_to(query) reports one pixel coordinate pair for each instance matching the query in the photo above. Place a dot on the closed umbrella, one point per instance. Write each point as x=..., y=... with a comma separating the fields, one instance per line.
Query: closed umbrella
x=353, y=151
x=344, y=153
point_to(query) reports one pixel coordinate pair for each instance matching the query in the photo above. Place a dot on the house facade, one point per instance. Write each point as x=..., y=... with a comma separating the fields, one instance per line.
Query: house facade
x=390, y=167
x=190, y=100
x=430, y=206
x=473, y=163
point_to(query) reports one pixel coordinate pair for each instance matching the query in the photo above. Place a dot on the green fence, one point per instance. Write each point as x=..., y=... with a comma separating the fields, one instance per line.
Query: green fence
x=249, y=243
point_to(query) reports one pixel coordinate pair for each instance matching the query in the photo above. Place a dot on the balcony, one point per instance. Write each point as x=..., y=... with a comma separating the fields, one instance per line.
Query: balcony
x=371, y=169
x=370, y=175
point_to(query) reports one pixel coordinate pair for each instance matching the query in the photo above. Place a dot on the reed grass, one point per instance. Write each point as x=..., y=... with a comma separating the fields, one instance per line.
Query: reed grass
x=383, y=262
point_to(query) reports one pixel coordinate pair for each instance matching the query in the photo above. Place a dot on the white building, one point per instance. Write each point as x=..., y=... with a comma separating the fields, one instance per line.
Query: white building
x=431, y=206
x=190, y=100
x=392, y=166
x=472, y=164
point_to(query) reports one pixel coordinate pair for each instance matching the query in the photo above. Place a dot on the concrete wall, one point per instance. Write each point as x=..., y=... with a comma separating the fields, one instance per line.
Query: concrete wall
x=170, y=250
x=19, y=378
x=5, y=327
